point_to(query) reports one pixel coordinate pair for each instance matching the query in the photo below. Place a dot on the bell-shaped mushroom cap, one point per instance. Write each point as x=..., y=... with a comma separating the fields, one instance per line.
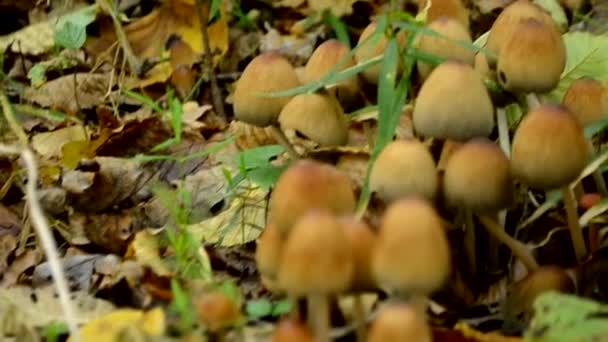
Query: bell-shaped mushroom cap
x=289, y=330
x=404, y=168
x=549, y=149
x=399, y=322
x=587, y=99
x=532, y=59
x=412, y=252
x=215, y=311
x=326, y=57
x=478, y=177
x=448, y=46
x=268, y=254
x=362, y=241
x=317, y=117
x=445, y=8
x=369, y=48
x=316, y=257
x=507, y=21
x=268, y=72
x=453, y=103
x=307, y=185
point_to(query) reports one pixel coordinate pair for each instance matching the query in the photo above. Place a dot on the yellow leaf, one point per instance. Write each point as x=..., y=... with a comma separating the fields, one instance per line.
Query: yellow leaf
x=145, y=249
x=337, y=7
x=109, y=327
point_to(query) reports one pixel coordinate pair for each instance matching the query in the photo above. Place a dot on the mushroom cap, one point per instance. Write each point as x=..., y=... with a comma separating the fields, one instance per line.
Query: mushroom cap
x=362, y=241
x=268, y=253
x=404, y=168
x=216, y=311
x=549, y=149
x=532, y=59
x=318, y=117
x=268, y=72
x=447, y=47
x=316, y=257
x=453, y=103
x=445, y=8
x=290, y=330
x=326, y=57
x=412, y=251
x=587, y=99
x=371, y=50
x=307, y=185
x=507, y=21
x=399, y=322
x=478, y=177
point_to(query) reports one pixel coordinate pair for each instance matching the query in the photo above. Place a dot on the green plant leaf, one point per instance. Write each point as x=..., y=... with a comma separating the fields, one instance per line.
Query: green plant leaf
x=70, y=29
x=258, y=156
x=556, y=10
x=586, y=56
x=258, y=308
x=281, y=308
x=266, y=176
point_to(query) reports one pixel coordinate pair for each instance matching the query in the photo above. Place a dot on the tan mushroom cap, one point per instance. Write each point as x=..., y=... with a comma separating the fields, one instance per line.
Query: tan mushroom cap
x=362, y=240
x=399, y=322
x=288, y=330
x=268, y=72
x=507, y=21
x=445, y=8
x=307, y=185
x=404, y=168
x=453, y=103
x=318, y=117
x=371, y=50
x=587, y=99
x=326, y=57
x=268, y=254
x=447, y=46
x=316, y=257
x=549, y=149
x=532, y=59
x=216, y=311
x=478, y=177
x=412, y=252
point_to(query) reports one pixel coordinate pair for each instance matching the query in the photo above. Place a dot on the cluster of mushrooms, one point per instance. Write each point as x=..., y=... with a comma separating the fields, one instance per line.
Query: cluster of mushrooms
x=315, y=247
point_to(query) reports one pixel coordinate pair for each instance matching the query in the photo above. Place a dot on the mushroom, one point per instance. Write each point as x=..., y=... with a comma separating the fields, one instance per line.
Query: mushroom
x=216, y=313
x=316, y=116
x=549, y=152
x=307, y=185
x=403, y=168
x=317, y=263
x=465, y=109
x=518, y=304
x=362, y=241
x=367, y=49
x=268, y=255
x=290, y=330
x=327, y=56
x=268, y=72
x=448, y=45
x=445, y=8
x=478, y=179
x=587, y=99
x=399, y=322
x=506, y=22
x=412, y=256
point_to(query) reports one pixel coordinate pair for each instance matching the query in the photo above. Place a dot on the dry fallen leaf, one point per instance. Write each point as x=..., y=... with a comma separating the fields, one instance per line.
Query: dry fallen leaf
x=31, y=40
x=110, y=327
x=49, y=144
x=145, y=249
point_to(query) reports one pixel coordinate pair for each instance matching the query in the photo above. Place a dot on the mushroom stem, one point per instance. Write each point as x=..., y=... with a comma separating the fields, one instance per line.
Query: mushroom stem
x=294, y=314
x=469, y=241
x=318, y=313
x=533, y=101
x=503, y=131
x=360, y=322
x=598, y=178
x=280, y=137
x=494, y=244
x=575, y=230
x=517, y=248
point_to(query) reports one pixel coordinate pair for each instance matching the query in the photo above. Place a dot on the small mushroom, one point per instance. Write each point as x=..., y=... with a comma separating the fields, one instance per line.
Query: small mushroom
x=549, y=152
x=465, y=109
x=268, y=72
x=368, y=49
x=290, y=330
x=327, y=56
x=318, y=117
x=404, y=168
x=399, y=322
x=449, y=45
x=216, y=312
x=268, y=255
x=445, y=8
x=307, y=185
x=317, y=263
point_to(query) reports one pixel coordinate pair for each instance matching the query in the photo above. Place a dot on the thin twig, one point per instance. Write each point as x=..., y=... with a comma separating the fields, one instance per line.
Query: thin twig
x=121, y=36
x=216, y=94
x=12, y=121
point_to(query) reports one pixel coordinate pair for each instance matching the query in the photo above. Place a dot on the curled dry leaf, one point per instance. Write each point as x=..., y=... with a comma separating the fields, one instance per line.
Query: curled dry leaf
x=145, y=249
x=50, y=144
x=21, y=263
x=250, y=136
x=78, y=270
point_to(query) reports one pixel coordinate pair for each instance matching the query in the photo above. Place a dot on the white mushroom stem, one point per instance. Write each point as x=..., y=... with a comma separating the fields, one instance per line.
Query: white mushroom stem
x=533, y=101
x=469, y=241
x=318, y=315
x=360, y=321
x=504, y=141
x=280, y=137
x=575, y=230
x=517, y=248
